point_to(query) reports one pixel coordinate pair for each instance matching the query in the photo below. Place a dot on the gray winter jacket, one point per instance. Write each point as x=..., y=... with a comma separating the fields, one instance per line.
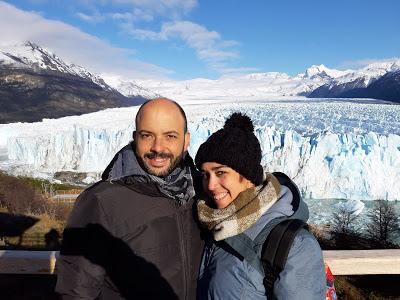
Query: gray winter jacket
x=224, y=274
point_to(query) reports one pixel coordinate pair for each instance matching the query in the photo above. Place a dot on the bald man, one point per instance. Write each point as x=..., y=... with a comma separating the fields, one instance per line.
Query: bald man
x=133, y=235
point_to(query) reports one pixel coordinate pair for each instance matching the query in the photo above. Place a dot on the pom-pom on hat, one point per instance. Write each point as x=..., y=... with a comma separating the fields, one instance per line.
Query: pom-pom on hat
x=235, y=146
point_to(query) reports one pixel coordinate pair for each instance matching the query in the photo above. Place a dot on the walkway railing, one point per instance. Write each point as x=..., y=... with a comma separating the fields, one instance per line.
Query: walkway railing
x=341, y=262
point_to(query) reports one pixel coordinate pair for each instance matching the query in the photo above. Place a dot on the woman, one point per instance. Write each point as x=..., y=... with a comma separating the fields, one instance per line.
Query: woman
x=240, y=204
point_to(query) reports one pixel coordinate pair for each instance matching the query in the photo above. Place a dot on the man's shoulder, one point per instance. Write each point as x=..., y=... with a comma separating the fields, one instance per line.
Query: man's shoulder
x=106, y=191
x=114, y=193
x=100, y=187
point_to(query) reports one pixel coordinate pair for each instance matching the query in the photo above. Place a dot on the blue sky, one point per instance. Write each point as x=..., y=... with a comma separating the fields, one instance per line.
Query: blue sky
x=185, y=39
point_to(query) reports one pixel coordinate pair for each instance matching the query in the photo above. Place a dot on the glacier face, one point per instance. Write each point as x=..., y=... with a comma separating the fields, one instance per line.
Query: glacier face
x=331, y=148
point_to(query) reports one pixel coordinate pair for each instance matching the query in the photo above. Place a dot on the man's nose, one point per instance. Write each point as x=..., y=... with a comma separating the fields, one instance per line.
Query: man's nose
x=157, y=145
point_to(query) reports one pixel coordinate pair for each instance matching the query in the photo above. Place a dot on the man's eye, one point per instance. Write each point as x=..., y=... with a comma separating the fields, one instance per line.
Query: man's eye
x=171, y=136
x=145, y=136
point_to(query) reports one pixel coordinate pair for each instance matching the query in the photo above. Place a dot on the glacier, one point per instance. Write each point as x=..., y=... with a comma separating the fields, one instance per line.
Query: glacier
x=332, y=148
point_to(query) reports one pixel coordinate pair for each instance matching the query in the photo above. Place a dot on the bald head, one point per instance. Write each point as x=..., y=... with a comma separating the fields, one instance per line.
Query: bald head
x=161, y=136
x=166, y=104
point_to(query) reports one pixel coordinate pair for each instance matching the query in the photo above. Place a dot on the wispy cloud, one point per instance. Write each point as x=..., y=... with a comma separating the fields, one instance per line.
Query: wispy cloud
x=168, y=8
x=92, y=18
x=356, y=64
x=136, y=16
x=208, y=45
x=133, y=10
x=138, y=19
x=17, y=26
x=235, y=71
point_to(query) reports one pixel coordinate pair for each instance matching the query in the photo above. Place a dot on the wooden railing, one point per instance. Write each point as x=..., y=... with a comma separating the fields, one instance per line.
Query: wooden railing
x=363, y=262
x=68, y=197
x=341, y=262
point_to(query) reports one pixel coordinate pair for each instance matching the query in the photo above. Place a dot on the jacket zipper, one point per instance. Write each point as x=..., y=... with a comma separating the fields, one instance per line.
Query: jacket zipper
x=183, y=249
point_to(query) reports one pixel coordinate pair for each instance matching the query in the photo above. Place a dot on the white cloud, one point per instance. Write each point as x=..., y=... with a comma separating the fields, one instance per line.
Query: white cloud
x=356, y=64
x=169, y=8
x=235, y=71
x=130, y=14
x=134, y=10
x=71, y=44
x=208, y=44
x=94, y=18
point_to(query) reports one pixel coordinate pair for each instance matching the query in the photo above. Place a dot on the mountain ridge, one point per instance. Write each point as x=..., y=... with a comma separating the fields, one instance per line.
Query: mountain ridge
x=36, y=84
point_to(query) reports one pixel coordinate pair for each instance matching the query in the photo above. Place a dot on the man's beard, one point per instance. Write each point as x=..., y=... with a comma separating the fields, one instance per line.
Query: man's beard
x=174, y=161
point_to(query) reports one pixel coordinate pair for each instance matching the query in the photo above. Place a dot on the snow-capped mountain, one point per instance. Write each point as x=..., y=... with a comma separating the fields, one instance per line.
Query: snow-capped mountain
x=248, y=87
x=322, y=72
x=29, y=55
x=316, y=81
x=36, y=84
x=359, y=83
x=128, y=88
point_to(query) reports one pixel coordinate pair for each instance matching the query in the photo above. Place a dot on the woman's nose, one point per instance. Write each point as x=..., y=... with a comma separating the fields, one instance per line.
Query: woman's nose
x=212, y=183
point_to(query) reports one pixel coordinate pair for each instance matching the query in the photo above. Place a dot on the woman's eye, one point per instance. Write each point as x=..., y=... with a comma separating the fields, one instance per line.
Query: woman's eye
x=219, y=173
x=205, y=175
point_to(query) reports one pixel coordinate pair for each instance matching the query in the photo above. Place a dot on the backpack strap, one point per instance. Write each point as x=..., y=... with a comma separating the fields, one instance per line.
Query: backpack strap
x=276, y=249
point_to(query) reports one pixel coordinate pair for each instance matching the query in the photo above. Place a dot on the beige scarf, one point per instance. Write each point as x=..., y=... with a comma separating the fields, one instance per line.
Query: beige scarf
x=242, y=213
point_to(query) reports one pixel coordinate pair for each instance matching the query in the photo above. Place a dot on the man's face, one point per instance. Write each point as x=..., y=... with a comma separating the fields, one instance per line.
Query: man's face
x=160, y=138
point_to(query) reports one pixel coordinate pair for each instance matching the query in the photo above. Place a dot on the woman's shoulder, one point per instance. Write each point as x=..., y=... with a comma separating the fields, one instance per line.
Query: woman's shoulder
x=304, y=241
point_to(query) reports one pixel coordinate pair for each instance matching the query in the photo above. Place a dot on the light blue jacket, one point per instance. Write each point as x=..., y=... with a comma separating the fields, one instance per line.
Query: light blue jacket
x=225, y=275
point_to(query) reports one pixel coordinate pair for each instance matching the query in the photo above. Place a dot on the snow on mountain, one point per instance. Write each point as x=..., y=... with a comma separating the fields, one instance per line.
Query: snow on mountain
x=361, y=83
x=30, y=55
x=128, y=88
x=259, y=86
x=249, y=87
x=369, y=73
x=321, y=71
x=332, y=148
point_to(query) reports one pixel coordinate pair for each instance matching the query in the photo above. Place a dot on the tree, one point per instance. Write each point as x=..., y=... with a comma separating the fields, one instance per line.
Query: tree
x=343, y=219
x=383, y=225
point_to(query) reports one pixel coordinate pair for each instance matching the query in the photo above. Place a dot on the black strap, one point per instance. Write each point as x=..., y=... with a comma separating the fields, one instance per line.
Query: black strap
x=276, y=249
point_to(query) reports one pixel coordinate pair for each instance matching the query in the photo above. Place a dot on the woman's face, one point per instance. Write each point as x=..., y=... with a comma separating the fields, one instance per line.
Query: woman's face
x=222, y=183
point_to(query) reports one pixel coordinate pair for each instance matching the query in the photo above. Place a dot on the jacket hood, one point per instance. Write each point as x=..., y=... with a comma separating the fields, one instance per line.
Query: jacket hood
x=123, y=164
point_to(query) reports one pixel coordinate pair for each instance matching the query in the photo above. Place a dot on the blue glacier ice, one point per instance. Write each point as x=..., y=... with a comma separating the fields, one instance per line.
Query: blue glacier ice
x=331, y=148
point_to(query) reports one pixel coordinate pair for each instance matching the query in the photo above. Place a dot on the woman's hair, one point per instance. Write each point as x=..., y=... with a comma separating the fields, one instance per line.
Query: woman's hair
x=235, y=146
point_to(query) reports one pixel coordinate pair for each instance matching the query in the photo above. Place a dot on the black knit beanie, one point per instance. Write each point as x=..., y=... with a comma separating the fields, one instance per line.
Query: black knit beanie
x=235, y=146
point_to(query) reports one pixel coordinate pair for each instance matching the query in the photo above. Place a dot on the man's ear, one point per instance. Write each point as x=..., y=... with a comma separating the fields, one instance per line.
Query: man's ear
x=187, y=141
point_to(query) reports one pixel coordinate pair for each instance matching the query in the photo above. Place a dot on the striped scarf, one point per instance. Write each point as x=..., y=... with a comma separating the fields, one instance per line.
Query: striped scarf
x=178, y=185
x=242, y=212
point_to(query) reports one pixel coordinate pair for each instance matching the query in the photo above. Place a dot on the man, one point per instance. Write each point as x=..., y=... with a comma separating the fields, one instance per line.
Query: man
x=133, y=235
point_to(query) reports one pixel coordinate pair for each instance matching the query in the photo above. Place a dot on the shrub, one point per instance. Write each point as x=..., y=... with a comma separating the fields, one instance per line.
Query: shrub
x=19, y=197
